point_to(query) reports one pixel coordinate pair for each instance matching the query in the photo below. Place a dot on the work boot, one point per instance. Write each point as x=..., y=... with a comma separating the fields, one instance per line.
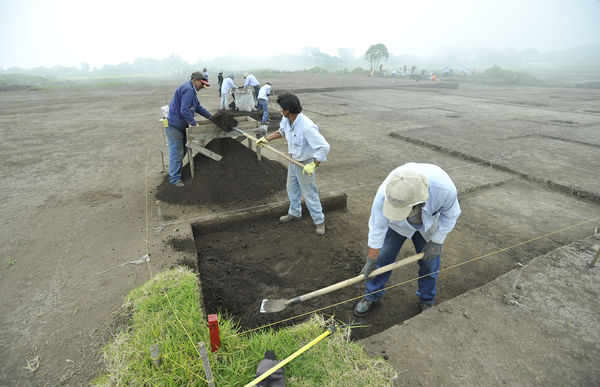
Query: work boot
x=320, y=229
x=179, y=183
x=288, y=218
x=363, y=307
x=424, y=307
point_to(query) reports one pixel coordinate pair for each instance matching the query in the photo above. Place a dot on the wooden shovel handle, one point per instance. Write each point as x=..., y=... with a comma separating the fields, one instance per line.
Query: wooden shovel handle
x=361, y=277
x=269, y=147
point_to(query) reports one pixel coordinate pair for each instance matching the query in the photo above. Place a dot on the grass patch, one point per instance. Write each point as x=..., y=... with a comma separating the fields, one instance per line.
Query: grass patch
x=166, y=311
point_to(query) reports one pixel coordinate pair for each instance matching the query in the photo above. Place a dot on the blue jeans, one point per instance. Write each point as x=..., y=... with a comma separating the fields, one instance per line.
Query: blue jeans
x=262, y=104
x=176, y=141
x=299, y=185
x=391, y=246
x=256, y=90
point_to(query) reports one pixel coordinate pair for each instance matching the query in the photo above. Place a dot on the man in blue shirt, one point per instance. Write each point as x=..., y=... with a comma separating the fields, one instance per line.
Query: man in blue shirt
x=308, y=146
x=417, y=201
x=181, y=114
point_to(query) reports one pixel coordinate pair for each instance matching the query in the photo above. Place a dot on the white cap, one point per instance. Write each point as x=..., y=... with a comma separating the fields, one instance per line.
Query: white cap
x=404, y=189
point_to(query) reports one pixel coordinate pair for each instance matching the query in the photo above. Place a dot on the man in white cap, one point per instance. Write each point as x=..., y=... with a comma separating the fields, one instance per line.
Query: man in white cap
x=253, y=82
x=417, y=201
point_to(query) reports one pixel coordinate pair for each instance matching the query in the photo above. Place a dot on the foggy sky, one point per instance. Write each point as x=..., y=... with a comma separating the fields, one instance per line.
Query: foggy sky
x=68, y=32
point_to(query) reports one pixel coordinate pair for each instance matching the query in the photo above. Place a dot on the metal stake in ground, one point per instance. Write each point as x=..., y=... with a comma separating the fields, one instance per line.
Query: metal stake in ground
x=277, y=305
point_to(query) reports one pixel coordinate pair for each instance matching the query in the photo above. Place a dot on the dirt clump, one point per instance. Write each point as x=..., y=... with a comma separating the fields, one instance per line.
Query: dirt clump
x=238, y=178
x=224, y=120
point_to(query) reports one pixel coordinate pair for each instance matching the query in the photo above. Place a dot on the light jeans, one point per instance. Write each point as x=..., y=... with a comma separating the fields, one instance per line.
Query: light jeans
x=299, y=185
x=225, y=101
x=389, y=251
x=176, y=141
x=262, y=104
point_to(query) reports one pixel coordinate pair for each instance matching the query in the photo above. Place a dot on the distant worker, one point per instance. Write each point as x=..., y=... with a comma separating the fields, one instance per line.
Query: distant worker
x=205, y=72
x=252, y=81
x=226, y=90
x=220, y=80
x=417, y=201
x=263, y=103
x=181, y=115
x=308, y=146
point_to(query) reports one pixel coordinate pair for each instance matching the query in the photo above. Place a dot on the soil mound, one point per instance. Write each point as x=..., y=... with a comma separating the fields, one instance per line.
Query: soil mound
x=238, y=178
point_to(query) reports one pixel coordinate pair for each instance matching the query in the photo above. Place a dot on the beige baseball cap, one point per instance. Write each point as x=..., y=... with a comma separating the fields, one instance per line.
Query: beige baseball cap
x=404, y=189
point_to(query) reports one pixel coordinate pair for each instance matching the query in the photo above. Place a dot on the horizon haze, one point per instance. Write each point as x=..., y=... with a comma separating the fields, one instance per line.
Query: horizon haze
x=37, y=33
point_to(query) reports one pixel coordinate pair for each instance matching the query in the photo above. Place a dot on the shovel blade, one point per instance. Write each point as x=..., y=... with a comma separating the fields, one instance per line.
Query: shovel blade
x=272, y=306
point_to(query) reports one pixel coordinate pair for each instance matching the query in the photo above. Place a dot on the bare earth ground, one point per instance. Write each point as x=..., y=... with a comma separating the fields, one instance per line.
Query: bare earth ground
x=81, y=168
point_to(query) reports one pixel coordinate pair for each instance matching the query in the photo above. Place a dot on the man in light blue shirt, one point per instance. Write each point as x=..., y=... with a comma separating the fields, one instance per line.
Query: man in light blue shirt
x=308, y=146
x=253, y=82
x=417, y=201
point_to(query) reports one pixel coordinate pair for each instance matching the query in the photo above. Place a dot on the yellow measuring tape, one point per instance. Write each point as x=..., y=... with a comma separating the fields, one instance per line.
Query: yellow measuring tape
x=288, y=359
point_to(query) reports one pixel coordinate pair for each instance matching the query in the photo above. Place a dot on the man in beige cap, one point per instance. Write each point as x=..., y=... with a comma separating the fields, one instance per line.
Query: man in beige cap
x=417, y=201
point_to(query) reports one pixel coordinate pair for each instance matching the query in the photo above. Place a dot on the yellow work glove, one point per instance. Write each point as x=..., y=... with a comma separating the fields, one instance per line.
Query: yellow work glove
x=262, y=141
x=309, y=168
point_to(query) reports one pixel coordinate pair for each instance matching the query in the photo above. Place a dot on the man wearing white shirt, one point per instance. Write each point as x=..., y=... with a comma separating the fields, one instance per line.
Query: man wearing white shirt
x=263, y=99
x=308, y=146
x=253, y=82
x=225, y=90
x=417, y=201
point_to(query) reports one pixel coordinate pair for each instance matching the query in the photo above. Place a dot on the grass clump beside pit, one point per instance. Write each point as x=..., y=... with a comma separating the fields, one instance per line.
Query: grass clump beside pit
x=166, y=311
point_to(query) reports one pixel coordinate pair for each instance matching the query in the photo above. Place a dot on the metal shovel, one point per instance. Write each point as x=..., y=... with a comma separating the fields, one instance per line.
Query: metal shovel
x=272, y=306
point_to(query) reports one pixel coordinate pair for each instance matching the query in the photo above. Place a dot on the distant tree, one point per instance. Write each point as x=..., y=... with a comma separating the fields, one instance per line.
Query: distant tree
x=376, y=54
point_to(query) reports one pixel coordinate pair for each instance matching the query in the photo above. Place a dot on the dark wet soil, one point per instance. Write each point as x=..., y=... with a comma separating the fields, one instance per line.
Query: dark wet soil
x=224, y=120
x=238, y=178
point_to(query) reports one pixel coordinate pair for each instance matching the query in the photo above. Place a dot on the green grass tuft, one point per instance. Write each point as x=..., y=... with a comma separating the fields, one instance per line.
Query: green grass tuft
x=166, y=311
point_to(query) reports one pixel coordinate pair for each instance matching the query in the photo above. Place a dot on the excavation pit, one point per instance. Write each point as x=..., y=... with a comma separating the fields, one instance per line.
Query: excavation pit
x=247, y=257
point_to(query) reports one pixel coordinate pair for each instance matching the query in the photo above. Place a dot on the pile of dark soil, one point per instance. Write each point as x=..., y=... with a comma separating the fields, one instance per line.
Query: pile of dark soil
x=238, y=178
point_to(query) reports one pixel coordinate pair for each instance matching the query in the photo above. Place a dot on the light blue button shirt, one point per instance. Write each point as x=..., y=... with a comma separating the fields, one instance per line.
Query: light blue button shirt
x=439, y=214
x=304, y=140
x=251, y=81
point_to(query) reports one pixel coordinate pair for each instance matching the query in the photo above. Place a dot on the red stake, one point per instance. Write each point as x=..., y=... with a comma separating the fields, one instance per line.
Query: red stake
x=213, y=325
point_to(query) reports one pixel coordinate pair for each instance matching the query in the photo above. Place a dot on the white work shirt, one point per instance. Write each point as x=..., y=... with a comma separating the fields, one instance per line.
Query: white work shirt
x=227, y=85
x=264, y=92
x=251, y=81
x=304, y=140
x=439, y=213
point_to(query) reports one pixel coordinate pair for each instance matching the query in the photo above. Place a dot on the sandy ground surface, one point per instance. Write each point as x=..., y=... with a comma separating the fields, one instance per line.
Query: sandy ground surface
x=81, y=168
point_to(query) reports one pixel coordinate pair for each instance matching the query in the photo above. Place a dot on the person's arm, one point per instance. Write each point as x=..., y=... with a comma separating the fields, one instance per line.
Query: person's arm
x=449, y=213
x=202, y=111
x=378, y=225
x=272, y=136
x=318, y=143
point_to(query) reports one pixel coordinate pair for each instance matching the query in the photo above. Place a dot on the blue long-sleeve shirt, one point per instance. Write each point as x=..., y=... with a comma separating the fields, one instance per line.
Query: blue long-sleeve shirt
x=439, y=213
x=304, y=140
x=183, y=106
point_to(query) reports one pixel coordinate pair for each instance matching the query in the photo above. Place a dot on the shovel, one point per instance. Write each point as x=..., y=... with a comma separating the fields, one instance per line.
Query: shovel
x=272, y=306
x=269, y=147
